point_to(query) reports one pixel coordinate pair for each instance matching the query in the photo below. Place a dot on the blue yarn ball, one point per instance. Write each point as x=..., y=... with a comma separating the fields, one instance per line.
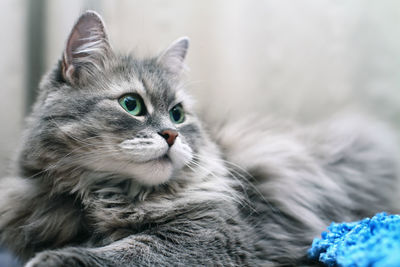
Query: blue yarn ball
x=371, y=242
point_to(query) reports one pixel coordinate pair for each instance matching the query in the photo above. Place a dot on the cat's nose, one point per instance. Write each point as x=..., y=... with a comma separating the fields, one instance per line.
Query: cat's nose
x=169, y=136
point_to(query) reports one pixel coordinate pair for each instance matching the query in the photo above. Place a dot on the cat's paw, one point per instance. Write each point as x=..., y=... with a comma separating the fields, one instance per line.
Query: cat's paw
x=53, y=259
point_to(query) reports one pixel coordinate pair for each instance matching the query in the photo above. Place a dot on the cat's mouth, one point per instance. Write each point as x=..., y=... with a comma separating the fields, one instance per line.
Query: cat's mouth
x=165, y=158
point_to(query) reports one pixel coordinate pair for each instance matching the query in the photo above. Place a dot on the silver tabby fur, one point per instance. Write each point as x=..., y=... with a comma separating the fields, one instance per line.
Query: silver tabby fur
x=92, y=188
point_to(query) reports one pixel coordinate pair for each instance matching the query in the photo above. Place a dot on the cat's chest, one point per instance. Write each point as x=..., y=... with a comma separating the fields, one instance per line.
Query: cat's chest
x=117, y=216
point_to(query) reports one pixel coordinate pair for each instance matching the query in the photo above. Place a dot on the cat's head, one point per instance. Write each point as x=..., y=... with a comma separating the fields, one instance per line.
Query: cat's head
x=110, y=113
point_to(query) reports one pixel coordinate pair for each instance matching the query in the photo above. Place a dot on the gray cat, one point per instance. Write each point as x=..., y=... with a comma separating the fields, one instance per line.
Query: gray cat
x=115, y=169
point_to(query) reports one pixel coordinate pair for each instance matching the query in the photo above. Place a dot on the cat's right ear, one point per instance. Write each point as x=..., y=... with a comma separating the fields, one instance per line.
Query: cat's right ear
x=86, y=50
x=172, y=59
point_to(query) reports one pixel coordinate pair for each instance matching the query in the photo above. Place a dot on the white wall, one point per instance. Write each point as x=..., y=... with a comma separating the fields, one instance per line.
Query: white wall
x=12, y=77
x=300, y=59
x=303, y=59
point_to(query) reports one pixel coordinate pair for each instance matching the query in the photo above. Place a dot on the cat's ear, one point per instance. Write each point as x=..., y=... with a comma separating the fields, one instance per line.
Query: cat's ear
x=87, y=48
x=173, y=57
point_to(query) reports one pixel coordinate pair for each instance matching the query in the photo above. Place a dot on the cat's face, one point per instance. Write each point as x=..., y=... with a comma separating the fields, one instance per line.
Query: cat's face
x=116, y=114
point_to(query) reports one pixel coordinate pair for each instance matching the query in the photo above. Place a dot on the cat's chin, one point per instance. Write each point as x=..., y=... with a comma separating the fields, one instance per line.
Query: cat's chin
x=150, y=173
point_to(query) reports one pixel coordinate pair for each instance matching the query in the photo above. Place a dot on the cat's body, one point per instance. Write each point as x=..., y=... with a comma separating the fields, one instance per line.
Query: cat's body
x=102, y=186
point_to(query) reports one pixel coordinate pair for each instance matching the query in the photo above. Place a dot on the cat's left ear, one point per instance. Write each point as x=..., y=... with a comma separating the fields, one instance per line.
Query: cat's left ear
x=173, y=57
x=86, y=50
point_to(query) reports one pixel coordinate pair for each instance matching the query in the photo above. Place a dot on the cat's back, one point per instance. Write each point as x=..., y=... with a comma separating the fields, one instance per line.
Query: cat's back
x=300, y=179
x=344, y=168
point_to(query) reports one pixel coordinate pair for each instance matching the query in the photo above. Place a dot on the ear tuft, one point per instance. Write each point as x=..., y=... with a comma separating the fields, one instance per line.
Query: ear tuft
x=173, y=57
x=87, y=47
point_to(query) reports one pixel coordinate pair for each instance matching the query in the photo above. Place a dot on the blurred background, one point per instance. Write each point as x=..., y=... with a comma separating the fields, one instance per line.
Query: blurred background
x=298, y=59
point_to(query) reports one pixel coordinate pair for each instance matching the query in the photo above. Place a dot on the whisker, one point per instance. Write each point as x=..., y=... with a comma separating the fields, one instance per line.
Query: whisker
x=236, y=197
x=244, y=177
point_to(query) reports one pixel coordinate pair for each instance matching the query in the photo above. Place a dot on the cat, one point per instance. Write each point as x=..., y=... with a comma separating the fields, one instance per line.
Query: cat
x=115, y=169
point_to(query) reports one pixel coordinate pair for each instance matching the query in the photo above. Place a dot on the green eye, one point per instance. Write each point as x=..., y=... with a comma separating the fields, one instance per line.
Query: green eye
x=177, y=114
x=133, y=104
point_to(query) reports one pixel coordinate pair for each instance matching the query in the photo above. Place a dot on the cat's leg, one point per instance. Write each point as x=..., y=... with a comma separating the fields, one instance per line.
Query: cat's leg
x=131, y=251
x=175, y=247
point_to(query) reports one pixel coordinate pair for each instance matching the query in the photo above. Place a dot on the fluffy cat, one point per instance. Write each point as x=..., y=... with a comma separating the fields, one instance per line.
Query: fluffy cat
x=115, y=169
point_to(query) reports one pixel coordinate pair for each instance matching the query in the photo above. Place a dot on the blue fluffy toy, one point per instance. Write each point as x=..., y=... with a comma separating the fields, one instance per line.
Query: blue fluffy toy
x=369, y=242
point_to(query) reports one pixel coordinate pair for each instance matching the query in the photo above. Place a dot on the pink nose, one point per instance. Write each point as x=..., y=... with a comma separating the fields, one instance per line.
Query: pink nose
x=169, y=136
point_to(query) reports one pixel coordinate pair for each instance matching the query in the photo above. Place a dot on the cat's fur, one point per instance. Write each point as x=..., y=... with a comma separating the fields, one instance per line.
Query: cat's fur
x=90, y=191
